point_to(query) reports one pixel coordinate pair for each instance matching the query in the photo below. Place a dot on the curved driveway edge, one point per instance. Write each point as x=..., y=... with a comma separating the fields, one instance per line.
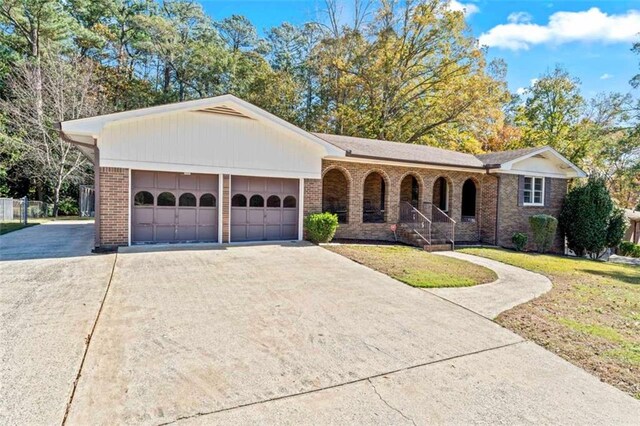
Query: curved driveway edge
x=513, y=287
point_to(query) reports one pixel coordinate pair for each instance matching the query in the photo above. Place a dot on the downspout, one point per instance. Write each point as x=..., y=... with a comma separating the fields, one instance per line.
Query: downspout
x=96, y=176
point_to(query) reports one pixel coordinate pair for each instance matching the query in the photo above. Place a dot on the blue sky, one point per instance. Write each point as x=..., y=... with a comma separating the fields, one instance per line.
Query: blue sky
x=592, y=39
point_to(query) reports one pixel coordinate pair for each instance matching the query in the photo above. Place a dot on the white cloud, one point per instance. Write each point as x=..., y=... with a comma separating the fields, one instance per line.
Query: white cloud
x=519, y=18
x=565, y=27
x=467, y=8
x=605, y=76
x=521, y=91
x=533, y=82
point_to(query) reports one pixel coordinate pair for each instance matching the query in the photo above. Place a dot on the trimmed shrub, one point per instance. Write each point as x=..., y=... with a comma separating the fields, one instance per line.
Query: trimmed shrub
x=543, y=228
x=519, y=240
x=617, y=227
x=585, y=218
x=627, y=248
x=321, y=227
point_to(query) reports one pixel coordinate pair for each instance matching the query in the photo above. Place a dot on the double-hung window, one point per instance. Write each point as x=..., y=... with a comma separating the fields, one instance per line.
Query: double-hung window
x=533, y=191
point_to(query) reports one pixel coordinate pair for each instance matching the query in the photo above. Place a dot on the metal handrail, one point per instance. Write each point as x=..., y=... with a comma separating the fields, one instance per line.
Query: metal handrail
x=420, y=224
x=439, y=216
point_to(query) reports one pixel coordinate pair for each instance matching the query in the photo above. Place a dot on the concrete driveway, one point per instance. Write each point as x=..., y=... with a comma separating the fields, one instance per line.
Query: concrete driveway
x=289, y=334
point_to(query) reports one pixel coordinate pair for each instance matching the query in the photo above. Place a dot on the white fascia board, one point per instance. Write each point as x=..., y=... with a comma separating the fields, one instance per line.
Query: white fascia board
x=405, y=164
x=94, y=125
x=535, y=173
x=189, y=168
x=577, y=171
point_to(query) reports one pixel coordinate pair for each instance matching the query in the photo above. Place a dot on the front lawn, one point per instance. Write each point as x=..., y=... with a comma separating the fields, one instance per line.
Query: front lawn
x=591, y=316
x=416, y=267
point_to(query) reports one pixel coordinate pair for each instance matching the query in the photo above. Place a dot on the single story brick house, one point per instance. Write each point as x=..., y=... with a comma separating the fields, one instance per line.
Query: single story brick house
x=223, y=170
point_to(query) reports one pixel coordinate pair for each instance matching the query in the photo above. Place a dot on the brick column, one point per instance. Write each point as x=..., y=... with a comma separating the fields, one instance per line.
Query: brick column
x=312, y=196
x=114, y=206
x=225, y=207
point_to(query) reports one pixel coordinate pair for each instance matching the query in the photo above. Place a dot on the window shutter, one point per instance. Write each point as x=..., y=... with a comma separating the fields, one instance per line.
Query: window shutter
x=520, y=190
x=547, y=192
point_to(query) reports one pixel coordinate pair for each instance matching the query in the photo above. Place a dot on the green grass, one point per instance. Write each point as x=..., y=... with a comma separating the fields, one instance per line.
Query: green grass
x=416, y=267
x=6, y=227
x=590, y=317
x=14, y=225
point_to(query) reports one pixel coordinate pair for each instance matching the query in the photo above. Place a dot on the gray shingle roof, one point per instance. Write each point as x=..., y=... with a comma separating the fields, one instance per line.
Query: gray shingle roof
x=405, y=152
x=502, y=157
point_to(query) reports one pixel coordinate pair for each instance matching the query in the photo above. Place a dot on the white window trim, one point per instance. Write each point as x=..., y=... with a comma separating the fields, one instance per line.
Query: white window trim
x=533, y=185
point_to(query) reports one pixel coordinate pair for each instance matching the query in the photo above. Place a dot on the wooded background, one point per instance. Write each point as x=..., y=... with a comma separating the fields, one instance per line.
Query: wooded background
x=409, y=72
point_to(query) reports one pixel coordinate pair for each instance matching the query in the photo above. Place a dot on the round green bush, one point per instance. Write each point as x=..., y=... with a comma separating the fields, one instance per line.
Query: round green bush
x=627, y=248
x=519, y=241
x=321, y=227
x=543, y=228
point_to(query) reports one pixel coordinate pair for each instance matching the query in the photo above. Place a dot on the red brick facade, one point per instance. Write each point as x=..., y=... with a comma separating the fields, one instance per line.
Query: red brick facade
x=514, y=218
x=492, y=192
x=490, y=195
x=114, y=206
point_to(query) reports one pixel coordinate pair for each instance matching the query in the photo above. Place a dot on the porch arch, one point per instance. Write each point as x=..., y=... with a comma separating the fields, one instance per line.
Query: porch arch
x=336, y=189
x=411, y=188
x=469, y=203
x=375, y=193
x=441, y=197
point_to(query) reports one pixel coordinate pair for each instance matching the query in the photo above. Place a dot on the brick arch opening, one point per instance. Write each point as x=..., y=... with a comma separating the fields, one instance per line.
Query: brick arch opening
x=469, y=206
x=442, y=194
x=335, y=194
x=374, y=198
x=411, y=190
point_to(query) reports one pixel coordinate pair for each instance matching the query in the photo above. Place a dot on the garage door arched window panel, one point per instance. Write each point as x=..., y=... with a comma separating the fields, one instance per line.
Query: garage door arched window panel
x=289, y=202
x=469, y=192
x=239, y=200
x=256, y=201
x=187, y=200
x=143, y=198
x=176, y=215
x=166, y=199
x=273, y=201
x=263, y=216
x=207, y=200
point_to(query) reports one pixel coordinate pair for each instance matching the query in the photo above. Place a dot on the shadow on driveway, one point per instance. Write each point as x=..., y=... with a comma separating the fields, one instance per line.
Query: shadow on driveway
x=49, y=240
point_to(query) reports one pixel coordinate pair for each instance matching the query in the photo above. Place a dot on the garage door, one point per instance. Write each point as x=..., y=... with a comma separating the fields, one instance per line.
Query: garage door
x=174, y=207
x=264, y=209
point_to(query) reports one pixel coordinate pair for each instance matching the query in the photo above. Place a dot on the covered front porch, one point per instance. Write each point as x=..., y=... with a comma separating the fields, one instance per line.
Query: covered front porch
x=432, y=205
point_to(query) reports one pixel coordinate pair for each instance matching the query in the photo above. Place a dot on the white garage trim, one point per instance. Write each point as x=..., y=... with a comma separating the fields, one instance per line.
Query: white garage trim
x=188, y=168
x=229, y=212
x=220, y=206
x=301, y=209
x=129, y=207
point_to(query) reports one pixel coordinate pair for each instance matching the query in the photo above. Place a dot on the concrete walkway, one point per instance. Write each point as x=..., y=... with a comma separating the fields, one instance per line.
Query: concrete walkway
x=513, y=287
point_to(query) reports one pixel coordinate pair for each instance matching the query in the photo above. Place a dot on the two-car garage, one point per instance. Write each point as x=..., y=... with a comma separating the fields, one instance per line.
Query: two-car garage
x=184, y=207
x=214, y=170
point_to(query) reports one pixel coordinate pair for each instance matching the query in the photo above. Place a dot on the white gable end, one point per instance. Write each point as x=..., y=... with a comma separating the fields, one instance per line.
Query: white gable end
x=200, y=142
x=547, y=163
